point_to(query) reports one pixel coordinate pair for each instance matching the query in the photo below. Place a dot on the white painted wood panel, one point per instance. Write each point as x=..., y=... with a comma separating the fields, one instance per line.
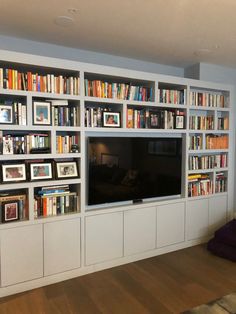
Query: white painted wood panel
x=217, y=212
x=139, y=230
x=104, y=237
x=170, y=224
x=197, y=219
x=21, y=254
x=61, y=246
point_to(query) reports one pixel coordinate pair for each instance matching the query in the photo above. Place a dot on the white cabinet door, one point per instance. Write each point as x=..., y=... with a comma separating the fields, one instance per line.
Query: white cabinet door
x=197, y=219
x=170, y=224
x=104, y=237
x=61, y=246
x=139, y=230
x=21, y=254
x=217, y=212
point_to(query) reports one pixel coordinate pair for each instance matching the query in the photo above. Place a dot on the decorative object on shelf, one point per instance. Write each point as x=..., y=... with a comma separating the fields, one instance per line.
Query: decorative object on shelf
x=111, y=119
x=74, y=148
x=10, y=211
x=66, y=169
x=6, y=114
x=13, y=172
x=42, y=113
x=19, y=196
x=41, y=171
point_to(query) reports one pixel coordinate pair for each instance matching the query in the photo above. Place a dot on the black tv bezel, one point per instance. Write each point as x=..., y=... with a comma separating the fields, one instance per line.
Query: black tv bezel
x=138, y=200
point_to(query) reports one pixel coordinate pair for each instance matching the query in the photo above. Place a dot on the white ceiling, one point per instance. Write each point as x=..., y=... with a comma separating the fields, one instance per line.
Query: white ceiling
x=174, y=32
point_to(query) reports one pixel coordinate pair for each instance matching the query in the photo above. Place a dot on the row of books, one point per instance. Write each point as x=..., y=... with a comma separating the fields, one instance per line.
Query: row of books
x=13, y=112
x=94, y=117
x=199, y=185
x=208, y=162
x=97, y=88
x=158, y=119
x=24, y=144
x=217, y=141
x=65, y=116
x=13, y=206
x=55, y=200
x=221, y=183
x=207, y=99
x=223, y=123
x=67, y=144
x=201, y=122
x=175, y=97
x=195, y=142
x=48, y=83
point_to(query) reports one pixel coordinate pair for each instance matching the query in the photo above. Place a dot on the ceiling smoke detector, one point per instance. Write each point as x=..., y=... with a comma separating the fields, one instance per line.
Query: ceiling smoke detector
x=202, y=52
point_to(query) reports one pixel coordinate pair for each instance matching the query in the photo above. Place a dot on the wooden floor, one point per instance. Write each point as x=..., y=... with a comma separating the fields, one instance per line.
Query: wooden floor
x=170, y=283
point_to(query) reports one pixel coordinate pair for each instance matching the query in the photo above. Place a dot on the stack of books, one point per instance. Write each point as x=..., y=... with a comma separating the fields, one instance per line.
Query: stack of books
x=55, y=200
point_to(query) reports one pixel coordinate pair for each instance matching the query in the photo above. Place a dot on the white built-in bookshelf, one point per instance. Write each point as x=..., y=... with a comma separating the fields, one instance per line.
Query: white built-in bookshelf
x=48, y=108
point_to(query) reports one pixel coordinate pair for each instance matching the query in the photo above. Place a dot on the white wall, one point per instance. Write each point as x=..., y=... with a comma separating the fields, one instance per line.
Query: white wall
x=49, y=50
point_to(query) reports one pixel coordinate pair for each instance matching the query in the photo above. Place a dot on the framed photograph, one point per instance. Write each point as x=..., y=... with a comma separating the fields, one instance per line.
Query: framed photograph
x=10, y=211
x=66, y=169
x=111, y=119
x=179, y=121
x=7, y=145
x=13, y=172
x=42, y=113
x=6, y=114
x=155, y=120
x=40, y=171
x=109, y=160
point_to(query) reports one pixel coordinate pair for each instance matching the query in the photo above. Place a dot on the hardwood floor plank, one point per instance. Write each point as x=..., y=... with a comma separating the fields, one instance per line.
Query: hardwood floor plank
x=170, y=283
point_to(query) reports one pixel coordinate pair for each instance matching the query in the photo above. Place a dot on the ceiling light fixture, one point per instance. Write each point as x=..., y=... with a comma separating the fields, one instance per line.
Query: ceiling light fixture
x=64, y=21
x=73, y=10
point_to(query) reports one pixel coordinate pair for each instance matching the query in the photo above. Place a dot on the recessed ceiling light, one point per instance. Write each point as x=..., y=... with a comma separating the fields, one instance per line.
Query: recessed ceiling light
x=64, y=21
x=73, y=10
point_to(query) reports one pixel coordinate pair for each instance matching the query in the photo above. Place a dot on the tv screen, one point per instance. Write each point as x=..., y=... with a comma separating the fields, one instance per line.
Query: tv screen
x=133, y=168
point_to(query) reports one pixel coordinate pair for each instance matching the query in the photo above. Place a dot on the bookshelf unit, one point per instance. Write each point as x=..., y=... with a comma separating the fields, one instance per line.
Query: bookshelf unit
x=58, y=236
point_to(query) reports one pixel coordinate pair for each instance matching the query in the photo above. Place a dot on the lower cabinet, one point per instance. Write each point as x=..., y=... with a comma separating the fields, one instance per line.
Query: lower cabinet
x=21, y=254
x=197, y=219
x=139, y=230
x=217, y=212
x=170, y=224
x=61, y=246
x=103, y=237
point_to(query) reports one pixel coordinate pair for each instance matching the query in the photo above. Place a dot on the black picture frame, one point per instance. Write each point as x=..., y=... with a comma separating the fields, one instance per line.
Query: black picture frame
x=41, y=171
x=154, y=120
x=179, y=121
x=13, y=173
x=66, y=169
x=10, y=211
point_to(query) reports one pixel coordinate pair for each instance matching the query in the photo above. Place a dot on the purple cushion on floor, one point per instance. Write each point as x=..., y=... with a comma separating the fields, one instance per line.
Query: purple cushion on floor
x=221, y=249
x=227, y=234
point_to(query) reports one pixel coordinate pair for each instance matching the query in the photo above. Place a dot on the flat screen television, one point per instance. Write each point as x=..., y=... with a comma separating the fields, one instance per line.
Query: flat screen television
x=133, y=168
